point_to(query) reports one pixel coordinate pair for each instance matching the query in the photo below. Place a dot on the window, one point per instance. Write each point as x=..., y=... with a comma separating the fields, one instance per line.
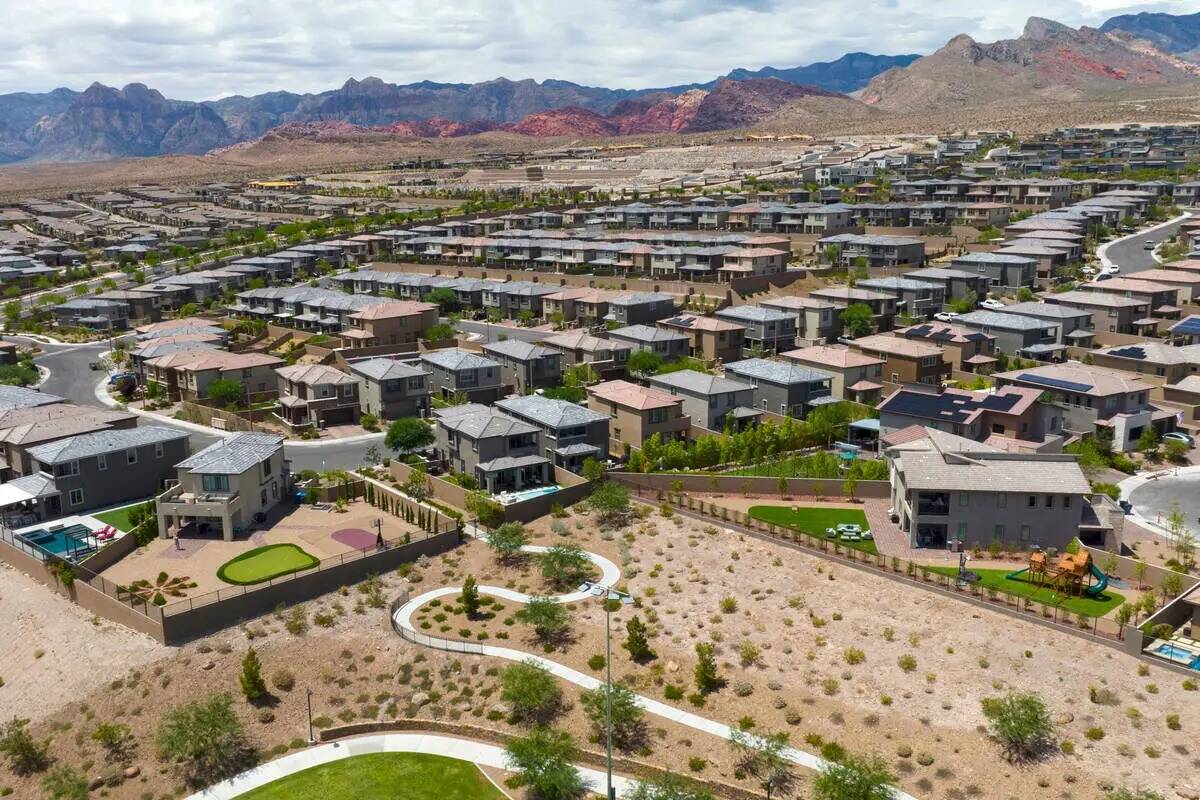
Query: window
x=131, y=455
x=998, y=532
x=101, y=462
x=266, y=468
x=1066, y=501
x=76, y=497
x=158, y=449
x=1033, y=501
x=348, y=390
x=1024, y=533
x=214, y=483
x=964, y=499
x=1001, y=500
x=962, y=530
x=1049, y=501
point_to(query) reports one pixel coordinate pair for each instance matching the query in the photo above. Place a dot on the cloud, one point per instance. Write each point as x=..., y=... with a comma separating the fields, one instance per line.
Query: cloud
x=208, y=50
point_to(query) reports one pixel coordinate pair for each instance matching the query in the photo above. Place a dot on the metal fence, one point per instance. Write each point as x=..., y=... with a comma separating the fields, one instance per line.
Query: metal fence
x=435, y=642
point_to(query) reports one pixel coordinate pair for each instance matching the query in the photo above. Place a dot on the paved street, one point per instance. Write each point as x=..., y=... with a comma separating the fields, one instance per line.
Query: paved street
x=1130, y=253
x=491, y=333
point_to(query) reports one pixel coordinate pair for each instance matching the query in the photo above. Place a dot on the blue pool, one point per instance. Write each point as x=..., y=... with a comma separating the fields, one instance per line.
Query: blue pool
x=70, y=542
x=527, y=494
x=1178, y=654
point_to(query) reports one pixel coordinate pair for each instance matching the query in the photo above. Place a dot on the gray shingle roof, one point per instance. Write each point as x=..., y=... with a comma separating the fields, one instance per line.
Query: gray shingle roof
x=689, y=380
x=645, y=333
x=385, y=369
x=234, y=455
x=997, y=319
x=521, y=350
x=1002, y=472
x=12, y=397
x=785, y=372
x=486, y=424
x=754, y=314
x=550, y=412
x=109, y=441
x=455, y=359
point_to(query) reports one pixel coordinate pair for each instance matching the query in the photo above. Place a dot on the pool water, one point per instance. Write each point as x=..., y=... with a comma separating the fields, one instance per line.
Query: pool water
x=67, y=542
x=1178, y=655
x=528, y=494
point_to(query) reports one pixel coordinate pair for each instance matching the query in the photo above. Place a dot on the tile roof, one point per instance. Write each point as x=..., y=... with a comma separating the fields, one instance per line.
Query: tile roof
x=385, y=369
x=785, y=372
x=92, y=444
x=521, y=350
x=548, y=411
x=198, y=360
x=1075, y=377
x=755, y=314
x=646, y=333
x=314, y=374
x=983, y=471
x=14, y=397
x=486, y=424
x=631, y=395
x=233, y=456
x=394, y=309
x=455, y=359
x=896, y=345
x=689, y=380
x=839, y=357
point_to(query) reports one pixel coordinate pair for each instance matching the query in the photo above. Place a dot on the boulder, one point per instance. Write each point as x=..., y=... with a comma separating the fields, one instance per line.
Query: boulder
x=132, y=772
x=420, y=699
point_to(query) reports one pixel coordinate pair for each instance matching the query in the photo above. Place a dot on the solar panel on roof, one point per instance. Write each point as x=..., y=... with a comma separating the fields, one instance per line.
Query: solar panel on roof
x=1132, y=351
x=1189, y=326
x=1055, y=383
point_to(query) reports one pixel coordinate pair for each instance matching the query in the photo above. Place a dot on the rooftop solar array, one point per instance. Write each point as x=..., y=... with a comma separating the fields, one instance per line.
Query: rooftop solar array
x=1054, y=383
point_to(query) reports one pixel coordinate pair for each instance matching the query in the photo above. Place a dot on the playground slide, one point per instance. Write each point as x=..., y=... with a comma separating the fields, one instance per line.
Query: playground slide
x=1100, y=585
x=1012, y=576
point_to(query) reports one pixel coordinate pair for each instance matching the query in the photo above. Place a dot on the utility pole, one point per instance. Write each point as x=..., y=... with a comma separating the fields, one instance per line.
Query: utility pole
x=608, y=594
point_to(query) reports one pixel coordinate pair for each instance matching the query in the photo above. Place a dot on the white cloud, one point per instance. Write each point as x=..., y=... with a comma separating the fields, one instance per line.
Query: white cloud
x=204, y=50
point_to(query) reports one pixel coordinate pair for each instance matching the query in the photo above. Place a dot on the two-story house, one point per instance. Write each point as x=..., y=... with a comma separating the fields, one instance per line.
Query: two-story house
x=187, y=374
x=317, y=395
x=568, y=433
x=526, y=366
x=453, y=372
x=607, y=357
x=1110, y=312
x=856, y=376
x=1000, y=417
x=499, y=451
x=767, y=330
x=816, y=319
x=666, y=343
x=636, y=413
x=917, y=299
x=399, y=324
x=709, y=338
x=225, y=488
x=391, y=389
x=781, y=387
x=640, y=308
x=967, y=350
x=709, y=399
x=906, y=360
x=1017, y=334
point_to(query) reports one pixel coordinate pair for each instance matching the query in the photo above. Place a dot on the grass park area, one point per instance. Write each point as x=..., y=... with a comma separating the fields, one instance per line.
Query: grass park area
x=996, y=579
x=264, y=563
x=383, y=776
x=815, y=521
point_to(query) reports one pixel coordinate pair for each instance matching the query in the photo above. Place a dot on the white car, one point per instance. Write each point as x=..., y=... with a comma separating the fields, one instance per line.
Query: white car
x=1112, y=269
x=1087, y=271
x=945, y=316
x=1179, y=436
x=992, y=303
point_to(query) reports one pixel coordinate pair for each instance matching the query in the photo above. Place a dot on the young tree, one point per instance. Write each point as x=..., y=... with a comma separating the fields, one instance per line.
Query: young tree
x=1176, y=451
x=226, y=391
x=707, y=680
x=507, y=540
x=531, y=692
x=1021, y=724
x=1139, y=572
x=117, y=741
x=668, y=787
x=408, y=434
x=188, y=309
x=857, y=319
x=1171, y=585
x=854, y=778
x=487, y=511
x=643, y=362
x=762, y=755
x=469, y=599
x=593, y=470
x=446, y=300
x=628, y=723
x=251, y=679
x=637, y=642
x=416, y=485
x=544, y=762
x=610, y=501
x=25, y=754
x=206, y=741
x=547, y=617
x=565, y=565
x=1148, y=442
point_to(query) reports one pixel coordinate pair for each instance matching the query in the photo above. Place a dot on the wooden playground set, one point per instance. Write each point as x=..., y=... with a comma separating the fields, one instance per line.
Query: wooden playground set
x=1073, y=574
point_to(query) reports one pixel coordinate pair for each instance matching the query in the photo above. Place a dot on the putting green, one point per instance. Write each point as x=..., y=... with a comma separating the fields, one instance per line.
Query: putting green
x=264, y=563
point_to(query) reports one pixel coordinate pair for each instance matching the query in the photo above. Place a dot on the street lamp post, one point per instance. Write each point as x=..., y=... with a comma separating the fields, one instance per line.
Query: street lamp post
x=310, y=730
x=608, y=594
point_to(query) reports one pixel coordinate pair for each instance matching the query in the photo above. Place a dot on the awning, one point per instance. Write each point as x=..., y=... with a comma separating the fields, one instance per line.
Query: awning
x=742, y=412
x=11, y=495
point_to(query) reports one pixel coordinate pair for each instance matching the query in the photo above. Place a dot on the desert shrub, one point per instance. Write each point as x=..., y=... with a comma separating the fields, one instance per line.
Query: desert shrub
x=1021, y=724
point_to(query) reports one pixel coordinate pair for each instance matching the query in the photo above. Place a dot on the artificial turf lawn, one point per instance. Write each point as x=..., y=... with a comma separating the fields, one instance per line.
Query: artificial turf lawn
x=119, y=518
x=995, y=579
x=383, y=776
x=815, y=521
x=264, y=563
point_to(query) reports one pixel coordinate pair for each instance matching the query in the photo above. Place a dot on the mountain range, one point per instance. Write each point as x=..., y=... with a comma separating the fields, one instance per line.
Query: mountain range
x=1048, y=63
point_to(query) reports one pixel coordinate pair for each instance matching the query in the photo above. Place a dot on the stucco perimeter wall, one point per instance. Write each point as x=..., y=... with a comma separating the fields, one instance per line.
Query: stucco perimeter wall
x=742, y=485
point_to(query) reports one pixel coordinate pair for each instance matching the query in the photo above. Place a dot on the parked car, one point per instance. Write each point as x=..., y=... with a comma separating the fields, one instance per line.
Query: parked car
x=1179, y=436
x=1087, y=271
x=945, y=316
x=992, y=303
x=1111, y=269
x=1149, y=244
x=1126, y=506
x=1104, y=276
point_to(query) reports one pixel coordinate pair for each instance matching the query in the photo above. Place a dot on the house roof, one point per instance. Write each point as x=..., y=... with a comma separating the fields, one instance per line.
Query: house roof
x=385, y=369
x=1075, y=377
x=1002, y=320
x=631, y=395
x=233, y=456
x=109, y=441
x=991, y=471
x=942, y=332
x=755, y=314
x=582, y=340
x=486, y=424
x=646, y=333
x=1095, y=299
x=1155, y=353
x=314, y=374
x=200, y=359
x=784, y=372
x=400, y=308
x=958, y=406
x=49, y=422
x=455, y=359
x=1046, y=310
x=548, y=411
x=897, y=346
x=13, y=397
x=689, y=380
x=836, y=357
x=521, y=350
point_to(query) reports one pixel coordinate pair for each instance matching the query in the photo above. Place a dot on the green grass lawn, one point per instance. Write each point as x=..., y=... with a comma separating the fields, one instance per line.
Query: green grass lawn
x=815, y=520
x=264, y=563
x=119, y=519
x=995, y=579
x=383, y=776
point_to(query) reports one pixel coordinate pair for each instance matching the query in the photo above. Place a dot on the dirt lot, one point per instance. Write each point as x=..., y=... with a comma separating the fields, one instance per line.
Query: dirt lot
x=800, y=613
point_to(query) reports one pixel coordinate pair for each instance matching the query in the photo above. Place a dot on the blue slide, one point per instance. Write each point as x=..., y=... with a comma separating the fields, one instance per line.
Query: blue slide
x=1097, y=588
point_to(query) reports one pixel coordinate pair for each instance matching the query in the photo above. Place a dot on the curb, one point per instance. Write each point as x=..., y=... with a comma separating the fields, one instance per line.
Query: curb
x=1134, y=482
x=1102, y=250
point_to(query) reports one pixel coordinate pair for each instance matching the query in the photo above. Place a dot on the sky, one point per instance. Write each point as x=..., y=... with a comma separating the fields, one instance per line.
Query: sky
x=205, y=50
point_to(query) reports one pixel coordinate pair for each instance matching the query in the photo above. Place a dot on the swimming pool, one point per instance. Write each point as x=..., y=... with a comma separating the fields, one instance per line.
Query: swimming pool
x=1178, y=654
x=70, y=542
x=526, y=494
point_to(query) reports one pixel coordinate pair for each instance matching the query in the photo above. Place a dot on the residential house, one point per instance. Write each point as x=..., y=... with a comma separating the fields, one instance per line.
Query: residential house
x=1110, y=312
x=1010, y=413
x=390, y=389
x=187, y=374
x=1157, y=362
x=1162, y=298
x=1006, y=271
x=917, y=299
x=767, y=330
x=667, y=344
x=588, y=307
x=746, y=262
x=499, y=451
x=458, y=372
x=606, y=357
x=1074, y=324
x=957, y=284
x=708, y=399
x=1187, y=282
x=781, y=387
x=967, y=350
x=855, y=375
x=636, y=413
x=875, y=250
x=816, y=319
x=906, y=360
x=882, y=304
x=318, y=395
x=397, y=324
x=526, y=366
x=1017, y=334
x=92, y=313
x=225, y=488
x=709, y=338
x=568, y=433
x=104, y=468
x=640, y=308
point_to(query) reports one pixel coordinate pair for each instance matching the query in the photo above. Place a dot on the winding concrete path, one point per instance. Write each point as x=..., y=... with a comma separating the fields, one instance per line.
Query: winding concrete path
x=611, y=574
x=485, y=755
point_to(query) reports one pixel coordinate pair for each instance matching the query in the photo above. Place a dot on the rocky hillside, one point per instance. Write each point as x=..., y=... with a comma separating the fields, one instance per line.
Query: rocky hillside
x=1048, y=62
x=847, y=74
x=1171, y=33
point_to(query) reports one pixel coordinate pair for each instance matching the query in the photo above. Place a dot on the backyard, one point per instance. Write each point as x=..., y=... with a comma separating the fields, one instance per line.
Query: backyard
x=119, y=518
x=265, y=563
x=816, y=521
x=383, y=776
x=997, y=579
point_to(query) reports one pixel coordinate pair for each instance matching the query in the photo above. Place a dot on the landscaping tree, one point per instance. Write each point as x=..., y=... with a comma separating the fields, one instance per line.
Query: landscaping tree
x=610, y=501
x=25, y=754
x=188, y=309
x=65, y=783
x=1171, y=585
x=593, y=470
x=253, y=685
x=438, y=333
x=707, y=680
x=544, y=763
x=532, y=693
x=408, y=434
x=762, y=755
x=117, y=741
x=547, y=617
x=469, y=599
x=637, y=642
x=668, y=787
x=507, y=540
x=487, y=511
x=1124, y=793
x=205, y=740
x=416, y=485
x=854, y=778
x=1176, y=451
x=857, y=319
x=1139, y=572
x=628, y=723
x=446, y=299
x=643, y=362
x=1148, y=442
x=564, y=565
x=227, y=392
x=1020, y=723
